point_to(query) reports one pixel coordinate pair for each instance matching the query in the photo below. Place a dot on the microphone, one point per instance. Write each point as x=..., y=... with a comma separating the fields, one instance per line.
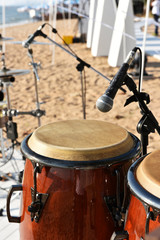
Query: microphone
x=105, y=102
x=35, y=34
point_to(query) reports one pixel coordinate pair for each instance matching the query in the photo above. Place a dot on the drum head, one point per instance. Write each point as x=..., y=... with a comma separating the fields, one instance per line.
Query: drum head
x=148, y=173
x=80, y=140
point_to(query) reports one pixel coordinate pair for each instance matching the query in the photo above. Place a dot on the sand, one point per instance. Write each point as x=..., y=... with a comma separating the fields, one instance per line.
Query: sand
x=59, y=87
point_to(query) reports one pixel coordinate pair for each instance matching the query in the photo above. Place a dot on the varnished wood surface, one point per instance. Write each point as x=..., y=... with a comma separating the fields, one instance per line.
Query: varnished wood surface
x=136, y=220
x=75, y=208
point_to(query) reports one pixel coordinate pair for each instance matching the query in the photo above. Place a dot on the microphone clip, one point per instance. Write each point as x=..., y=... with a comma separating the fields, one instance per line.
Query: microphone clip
x=144, y=96
x=81, y=64
x=138, y=96
x=40, y=33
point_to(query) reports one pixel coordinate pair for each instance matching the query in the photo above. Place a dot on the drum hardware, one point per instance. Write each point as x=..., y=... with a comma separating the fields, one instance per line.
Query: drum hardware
x=13, y=112
x=34, y=43
x=124, y=234
x=6, y=74
x=14, y=188
x=38, y=199
x=4, y=38
x=117, y=172
x=114, y=204
x=11, y=128
x=7, y=149
x=120, y=235
x=150, y=216
x=114, y=210
x=6, y=78
x=118, y=214
x=3, y=60
x=39, y=113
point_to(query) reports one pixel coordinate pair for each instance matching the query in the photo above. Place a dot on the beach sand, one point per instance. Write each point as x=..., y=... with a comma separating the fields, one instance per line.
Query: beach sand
x=60, y=84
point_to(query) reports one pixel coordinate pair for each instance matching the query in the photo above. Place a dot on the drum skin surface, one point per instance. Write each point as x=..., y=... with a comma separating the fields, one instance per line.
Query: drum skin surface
x=136, y=219
x=79, y=159
x=148, y=173
x=80, y=140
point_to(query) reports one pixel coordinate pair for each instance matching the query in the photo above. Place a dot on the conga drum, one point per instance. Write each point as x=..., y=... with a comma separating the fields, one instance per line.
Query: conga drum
x=144, y=208
x=73, y=183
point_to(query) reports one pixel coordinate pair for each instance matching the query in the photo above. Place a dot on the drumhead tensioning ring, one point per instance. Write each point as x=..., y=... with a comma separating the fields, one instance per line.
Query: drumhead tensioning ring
x=137, y=188
x=80, y=143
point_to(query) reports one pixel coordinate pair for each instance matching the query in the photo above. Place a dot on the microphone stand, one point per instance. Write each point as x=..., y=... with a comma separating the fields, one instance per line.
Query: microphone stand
x=38, y=113
x=14, y=112
x=148, y=122
x=80, y=66
x=85, y=64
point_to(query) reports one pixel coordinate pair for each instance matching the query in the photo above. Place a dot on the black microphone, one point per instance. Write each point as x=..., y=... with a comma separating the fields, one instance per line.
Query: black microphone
x=32, y=37
x=105, y=102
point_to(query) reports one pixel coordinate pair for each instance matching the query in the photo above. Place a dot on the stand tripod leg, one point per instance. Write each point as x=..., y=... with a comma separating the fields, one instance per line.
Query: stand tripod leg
x=37, y=99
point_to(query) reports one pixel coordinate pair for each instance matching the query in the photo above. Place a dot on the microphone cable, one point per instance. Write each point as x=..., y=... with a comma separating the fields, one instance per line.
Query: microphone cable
x=54, y=30
x=140, y=68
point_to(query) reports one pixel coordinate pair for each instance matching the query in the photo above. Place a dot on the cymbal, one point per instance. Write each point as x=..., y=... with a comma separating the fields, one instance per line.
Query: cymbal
x=4, y=73
x=34, y=42
x=4, y=38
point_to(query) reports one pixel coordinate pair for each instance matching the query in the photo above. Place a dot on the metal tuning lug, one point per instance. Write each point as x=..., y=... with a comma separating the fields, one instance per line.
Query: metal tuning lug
x=37, y=206
x=119, y=235
x=38, y=199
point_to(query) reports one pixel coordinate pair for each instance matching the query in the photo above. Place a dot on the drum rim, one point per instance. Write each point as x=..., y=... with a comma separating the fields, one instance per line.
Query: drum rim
x=137, y=190
x=52, y=162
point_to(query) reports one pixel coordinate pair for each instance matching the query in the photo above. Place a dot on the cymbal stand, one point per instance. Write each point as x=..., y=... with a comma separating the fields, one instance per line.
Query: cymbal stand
x=6, y=81
x=7, y=149
x=35, y=66
x=8, y=122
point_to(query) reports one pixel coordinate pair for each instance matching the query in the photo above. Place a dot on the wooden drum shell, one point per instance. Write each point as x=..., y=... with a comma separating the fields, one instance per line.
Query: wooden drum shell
x=75, y=208
x=136, y=220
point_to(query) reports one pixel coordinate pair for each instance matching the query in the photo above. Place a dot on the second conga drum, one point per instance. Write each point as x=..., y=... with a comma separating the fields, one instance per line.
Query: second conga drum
x=73, y=184
x=144, y=209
